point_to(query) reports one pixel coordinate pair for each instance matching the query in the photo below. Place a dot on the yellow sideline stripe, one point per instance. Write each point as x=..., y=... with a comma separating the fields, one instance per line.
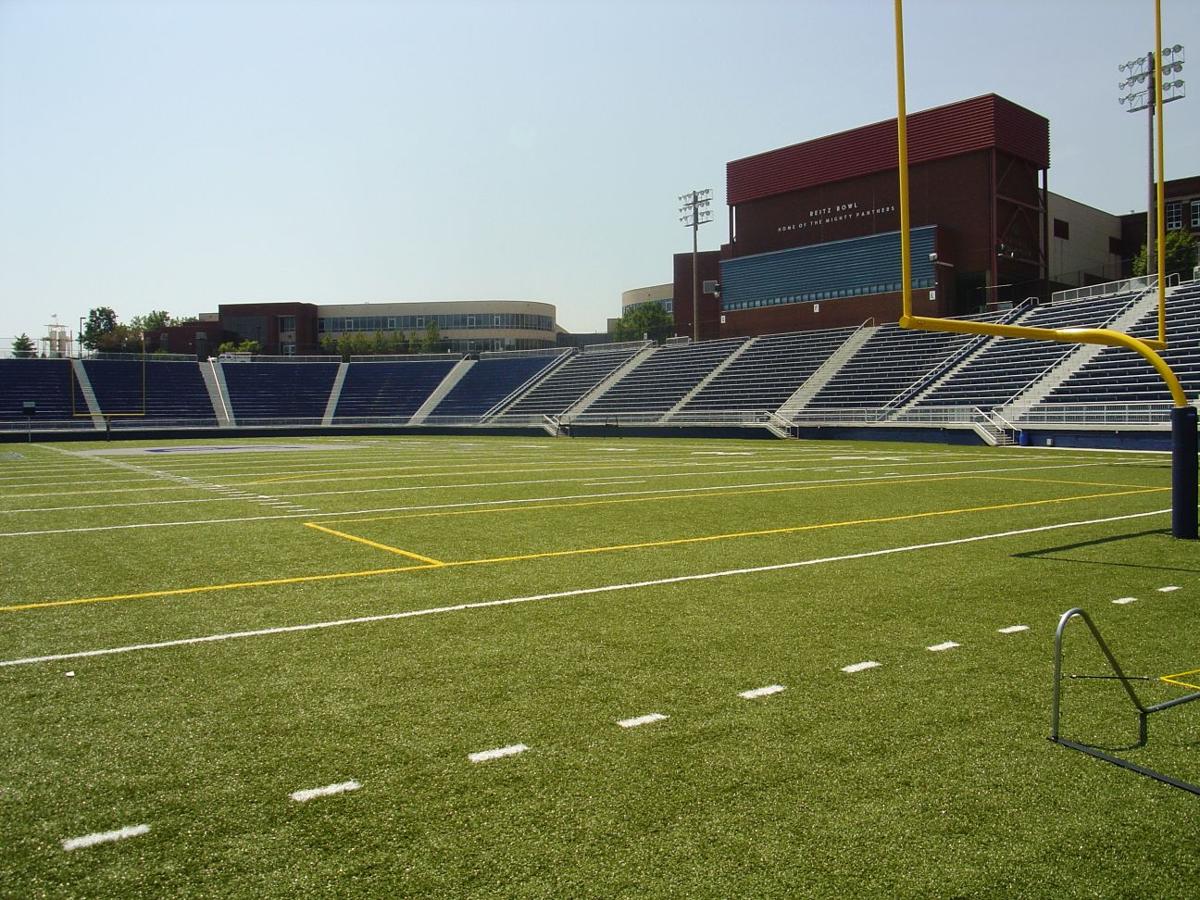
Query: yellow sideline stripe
x=377, y=546
x=789, y=529
x=793, y=529
x=175, y=592
x=705, y=494
x=1175, y=679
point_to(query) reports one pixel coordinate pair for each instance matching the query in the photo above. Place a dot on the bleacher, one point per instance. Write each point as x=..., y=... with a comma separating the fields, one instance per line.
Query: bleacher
x=47, y=382
x=390, y=390
x=769, y=371
x=492, y=378
x=150, y=391
x=661, y=380
x=891, y=360
x=278, y=390
x=563, y=387
x=1117, y=375
x=1005, y=367
x=897, y=375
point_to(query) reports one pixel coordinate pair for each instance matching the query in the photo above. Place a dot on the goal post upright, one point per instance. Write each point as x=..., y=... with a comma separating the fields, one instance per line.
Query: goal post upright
x=1184, y=489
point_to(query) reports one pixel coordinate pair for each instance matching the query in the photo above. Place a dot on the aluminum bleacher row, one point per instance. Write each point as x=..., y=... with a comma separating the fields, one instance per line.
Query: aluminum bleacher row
x=871, y=374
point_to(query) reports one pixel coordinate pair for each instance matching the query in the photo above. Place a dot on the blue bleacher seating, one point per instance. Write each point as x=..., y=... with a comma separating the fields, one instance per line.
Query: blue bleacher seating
x=261, y=390
x=390, y=390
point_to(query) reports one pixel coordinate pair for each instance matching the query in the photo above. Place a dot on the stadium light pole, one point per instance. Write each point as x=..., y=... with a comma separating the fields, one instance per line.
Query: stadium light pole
x=694, y=212
x=1184, y=487
x=1138, y=71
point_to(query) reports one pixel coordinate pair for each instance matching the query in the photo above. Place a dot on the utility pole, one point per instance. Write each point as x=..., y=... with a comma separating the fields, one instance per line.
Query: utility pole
x=695, y=212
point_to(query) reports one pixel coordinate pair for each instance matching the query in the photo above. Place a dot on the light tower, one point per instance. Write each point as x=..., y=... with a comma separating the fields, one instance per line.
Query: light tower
x=1140, y=72
x=695, y=212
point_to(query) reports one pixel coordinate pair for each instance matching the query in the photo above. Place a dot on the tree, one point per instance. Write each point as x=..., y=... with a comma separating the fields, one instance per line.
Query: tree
x=243, y=347
x=645, y=321
x=23, y=348
x=1180, y=255
x=155, y=320
x=433, y=337
x=101, y=321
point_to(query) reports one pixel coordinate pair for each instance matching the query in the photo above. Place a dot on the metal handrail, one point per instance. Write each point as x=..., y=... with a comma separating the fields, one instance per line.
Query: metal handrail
x=1059, y=360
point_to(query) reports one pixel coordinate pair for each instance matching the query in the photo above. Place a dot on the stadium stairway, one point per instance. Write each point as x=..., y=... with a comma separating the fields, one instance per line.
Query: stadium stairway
x=581, y=405
x=335, y=393
x=89, y=394
x=710, y=377
x=1124, y=321
x=812, y=386
x=569, y=382
x=453, y=377
x=218, y=392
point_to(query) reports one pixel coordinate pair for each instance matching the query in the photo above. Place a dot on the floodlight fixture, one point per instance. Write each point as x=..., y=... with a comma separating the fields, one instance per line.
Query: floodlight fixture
x=1139, y=71
x=696, y=212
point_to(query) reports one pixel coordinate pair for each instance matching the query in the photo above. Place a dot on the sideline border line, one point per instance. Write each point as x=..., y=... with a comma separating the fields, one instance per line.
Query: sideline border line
x=688, y=491
x=578, y=592
x=549, y=554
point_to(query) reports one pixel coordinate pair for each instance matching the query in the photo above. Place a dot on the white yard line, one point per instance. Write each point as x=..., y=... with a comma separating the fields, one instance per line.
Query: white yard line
x=1013, y=629
x=104, y=837
x=861, y=667
x=328, y=790
x=579, y=592
x=497, y=753
x=945, y=645
x=638, y=721
x=761, y=692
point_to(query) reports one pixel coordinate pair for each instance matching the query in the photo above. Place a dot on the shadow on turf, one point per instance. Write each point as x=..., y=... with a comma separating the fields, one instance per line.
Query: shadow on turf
x=1049, y=553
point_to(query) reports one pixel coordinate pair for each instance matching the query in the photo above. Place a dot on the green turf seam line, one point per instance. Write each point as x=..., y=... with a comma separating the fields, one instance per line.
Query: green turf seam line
x=579, y=592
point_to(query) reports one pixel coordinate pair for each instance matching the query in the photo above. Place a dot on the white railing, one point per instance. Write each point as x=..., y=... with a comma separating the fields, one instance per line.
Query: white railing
x=1109, y=288
x=263, y=358
x=400, y=357
x=1155, y=414
x=659, y=417
x=1144, y=413
x=619, y=346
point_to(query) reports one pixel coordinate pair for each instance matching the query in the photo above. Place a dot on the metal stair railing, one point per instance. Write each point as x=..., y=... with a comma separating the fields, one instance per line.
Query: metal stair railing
x=952, y=361
x=1070, y=350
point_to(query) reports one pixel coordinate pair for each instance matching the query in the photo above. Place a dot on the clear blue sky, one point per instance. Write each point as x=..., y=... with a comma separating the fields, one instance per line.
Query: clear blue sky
x=177, y=154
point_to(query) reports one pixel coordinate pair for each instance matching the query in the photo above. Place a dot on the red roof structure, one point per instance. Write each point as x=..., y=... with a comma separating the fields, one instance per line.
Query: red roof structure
x=980, y=123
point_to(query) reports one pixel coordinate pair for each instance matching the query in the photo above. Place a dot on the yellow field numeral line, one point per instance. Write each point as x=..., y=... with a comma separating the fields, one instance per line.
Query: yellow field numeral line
x=302, y=579
x=208, y=588
x=1175, y=679
x=375, y=544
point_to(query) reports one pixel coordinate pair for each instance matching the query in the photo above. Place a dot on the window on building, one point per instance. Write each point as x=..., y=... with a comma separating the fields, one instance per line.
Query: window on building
x=1062, y=229
x=287, y=323
x=1174, y=216
x=1195, y=215
x=1114, y=246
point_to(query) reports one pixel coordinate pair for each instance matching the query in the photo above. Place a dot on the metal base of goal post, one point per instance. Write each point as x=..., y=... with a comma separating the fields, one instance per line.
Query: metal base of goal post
x=1183, y=473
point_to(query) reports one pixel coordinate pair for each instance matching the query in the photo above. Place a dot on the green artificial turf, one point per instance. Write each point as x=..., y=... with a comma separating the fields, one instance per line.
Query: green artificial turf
x=929, y=775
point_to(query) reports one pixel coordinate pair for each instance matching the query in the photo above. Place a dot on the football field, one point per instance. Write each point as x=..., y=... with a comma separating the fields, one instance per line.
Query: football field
x=486, y=666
